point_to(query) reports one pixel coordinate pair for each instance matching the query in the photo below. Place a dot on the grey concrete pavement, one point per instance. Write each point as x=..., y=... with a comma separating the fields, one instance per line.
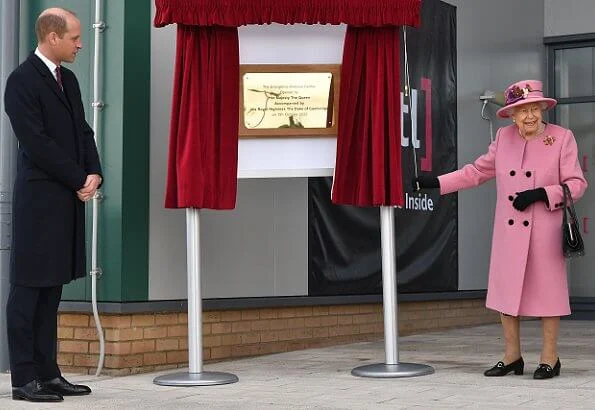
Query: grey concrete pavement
x=321, y=379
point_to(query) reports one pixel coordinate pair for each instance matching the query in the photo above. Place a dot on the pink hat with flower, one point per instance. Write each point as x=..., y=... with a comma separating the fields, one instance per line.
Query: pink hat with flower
x=524, y=92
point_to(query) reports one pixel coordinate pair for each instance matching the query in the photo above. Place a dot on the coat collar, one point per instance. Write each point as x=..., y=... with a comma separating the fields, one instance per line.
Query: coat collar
x=48, y=78
x=49, y=63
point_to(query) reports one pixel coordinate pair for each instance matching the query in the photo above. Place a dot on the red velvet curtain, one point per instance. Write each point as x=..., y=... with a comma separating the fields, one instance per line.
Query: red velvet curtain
x=235, y=13
x=368, y=162
x=203, y=147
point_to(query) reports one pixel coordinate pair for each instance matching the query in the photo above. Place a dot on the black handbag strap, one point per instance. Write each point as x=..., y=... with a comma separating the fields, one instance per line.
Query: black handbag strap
x=569, y=207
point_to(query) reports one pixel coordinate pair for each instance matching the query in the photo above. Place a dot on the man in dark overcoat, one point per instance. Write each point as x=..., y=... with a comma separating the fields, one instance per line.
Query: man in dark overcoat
x=58, y=170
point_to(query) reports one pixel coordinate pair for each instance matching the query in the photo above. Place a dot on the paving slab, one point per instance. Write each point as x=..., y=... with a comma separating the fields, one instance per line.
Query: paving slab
x=321, y=378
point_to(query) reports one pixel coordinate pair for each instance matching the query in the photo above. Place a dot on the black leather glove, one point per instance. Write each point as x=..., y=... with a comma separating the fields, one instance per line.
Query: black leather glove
x=425, y=181
x=526, y=198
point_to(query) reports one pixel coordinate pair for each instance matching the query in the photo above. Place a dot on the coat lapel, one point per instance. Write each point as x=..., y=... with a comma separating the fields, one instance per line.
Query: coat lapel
x=49, y=79
x=69, y=87
x=69, y=83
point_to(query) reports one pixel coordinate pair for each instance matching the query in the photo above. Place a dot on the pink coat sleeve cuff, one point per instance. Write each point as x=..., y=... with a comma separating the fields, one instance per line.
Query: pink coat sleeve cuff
x=571, y=174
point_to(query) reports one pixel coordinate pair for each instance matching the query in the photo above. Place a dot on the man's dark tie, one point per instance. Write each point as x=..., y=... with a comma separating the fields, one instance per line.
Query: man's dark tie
x=59, y=77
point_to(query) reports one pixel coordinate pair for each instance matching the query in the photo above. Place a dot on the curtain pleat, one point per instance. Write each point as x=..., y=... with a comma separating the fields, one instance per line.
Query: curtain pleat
x=368, y=161
x=235, y=13
x=203, y=146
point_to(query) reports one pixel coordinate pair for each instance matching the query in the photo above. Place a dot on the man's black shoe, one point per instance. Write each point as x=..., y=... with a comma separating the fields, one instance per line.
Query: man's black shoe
x=34, y=391
x=63, y=387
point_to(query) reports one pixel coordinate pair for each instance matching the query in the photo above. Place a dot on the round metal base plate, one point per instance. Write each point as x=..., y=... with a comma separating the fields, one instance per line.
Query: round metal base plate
x=392, y=370
x=196, y=379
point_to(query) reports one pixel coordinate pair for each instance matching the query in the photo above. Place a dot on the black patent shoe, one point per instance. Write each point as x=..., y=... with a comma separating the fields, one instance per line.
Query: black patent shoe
x=63, y=387
x=502, y=369
x=34, y=391
x=545, y=371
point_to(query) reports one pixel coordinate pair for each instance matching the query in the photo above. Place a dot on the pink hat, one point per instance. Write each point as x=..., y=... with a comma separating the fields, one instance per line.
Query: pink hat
x=524, y=92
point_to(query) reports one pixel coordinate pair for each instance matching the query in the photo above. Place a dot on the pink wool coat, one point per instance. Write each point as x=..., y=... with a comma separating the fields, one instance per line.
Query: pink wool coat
x=527, y=268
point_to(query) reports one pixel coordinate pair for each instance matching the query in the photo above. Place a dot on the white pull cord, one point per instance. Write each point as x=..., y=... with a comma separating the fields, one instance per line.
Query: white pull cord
x=407, y=94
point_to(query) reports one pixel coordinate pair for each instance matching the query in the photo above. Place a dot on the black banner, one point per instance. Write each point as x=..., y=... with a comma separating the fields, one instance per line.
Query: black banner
x=344, y=241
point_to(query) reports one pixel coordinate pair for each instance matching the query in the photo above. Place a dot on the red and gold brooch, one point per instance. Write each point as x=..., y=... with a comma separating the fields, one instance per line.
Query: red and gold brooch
x=549, y=140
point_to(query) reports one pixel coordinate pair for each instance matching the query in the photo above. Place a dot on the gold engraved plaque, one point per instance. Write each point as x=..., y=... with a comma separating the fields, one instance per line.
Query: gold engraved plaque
x=278, y=103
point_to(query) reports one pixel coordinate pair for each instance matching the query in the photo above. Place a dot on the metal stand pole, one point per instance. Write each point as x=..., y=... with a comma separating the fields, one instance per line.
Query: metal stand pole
x=391, y=367
x=195, y=376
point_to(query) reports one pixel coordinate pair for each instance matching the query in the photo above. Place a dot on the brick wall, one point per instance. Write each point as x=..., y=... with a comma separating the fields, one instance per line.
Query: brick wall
x=147, y=342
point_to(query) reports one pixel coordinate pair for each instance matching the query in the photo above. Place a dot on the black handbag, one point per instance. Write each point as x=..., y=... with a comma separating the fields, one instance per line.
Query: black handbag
x=572, y=242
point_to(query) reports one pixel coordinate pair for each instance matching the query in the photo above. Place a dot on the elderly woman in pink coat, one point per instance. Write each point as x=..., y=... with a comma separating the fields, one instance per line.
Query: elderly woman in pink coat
x=530, y=159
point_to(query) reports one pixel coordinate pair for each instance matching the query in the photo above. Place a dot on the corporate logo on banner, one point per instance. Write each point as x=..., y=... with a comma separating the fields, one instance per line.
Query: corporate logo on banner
x=419, y=201
x=413, y=139
x=344, y=241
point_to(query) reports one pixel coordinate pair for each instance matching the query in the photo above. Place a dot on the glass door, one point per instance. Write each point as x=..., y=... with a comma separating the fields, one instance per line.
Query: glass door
x=572, y=80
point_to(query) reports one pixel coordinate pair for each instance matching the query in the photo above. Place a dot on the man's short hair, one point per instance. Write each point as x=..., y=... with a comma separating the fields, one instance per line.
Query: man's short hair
x=52, y=22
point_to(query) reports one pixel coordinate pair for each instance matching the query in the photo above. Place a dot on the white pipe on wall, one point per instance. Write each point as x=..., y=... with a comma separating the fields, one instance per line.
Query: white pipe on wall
x=97, y=105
